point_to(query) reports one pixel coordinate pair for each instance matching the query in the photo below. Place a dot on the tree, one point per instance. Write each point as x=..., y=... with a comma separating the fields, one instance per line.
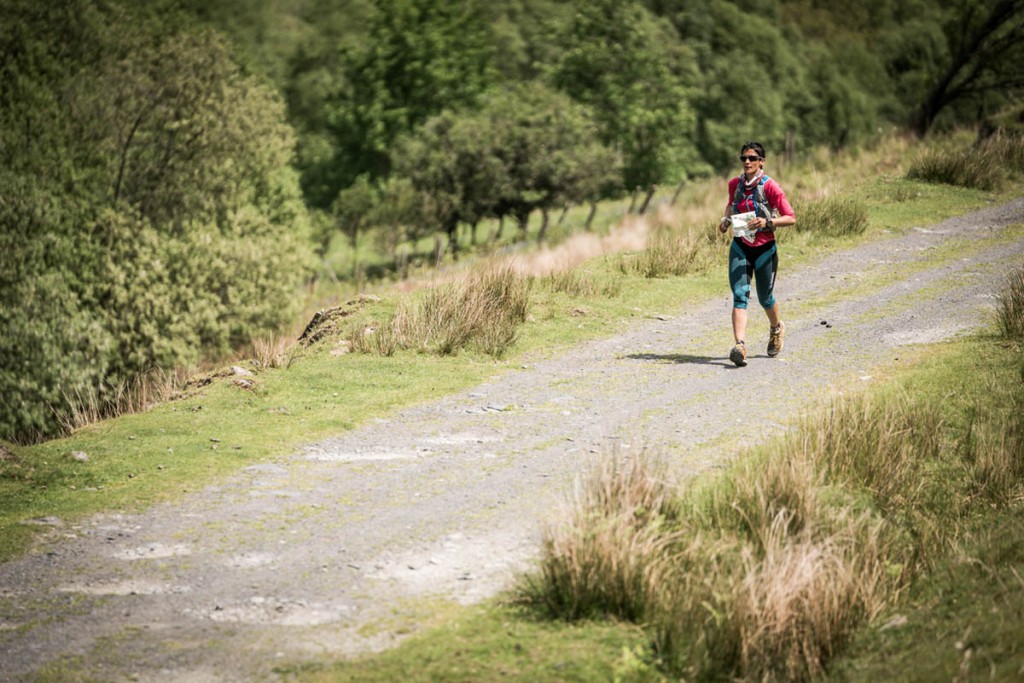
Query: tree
x=422, y=57
x=615, y=62
x=984, y=53
x=549, y=149
x=452, y=164
x=528, y=148
x=353, y=209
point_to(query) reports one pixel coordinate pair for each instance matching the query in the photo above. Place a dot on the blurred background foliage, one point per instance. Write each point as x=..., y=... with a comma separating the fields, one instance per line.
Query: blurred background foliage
x=170, y=170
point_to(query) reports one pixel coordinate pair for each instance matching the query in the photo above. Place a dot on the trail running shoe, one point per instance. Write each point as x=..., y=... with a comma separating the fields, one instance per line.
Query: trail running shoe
x=775, y=339
x=738, y=355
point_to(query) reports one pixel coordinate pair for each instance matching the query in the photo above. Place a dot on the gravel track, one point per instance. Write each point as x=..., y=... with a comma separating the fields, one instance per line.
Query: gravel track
x=335, y=549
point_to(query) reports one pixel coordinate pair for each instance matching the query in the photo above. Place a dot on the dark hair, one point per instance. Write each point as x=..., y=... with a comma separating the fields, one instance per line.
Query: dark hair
x=756, y=146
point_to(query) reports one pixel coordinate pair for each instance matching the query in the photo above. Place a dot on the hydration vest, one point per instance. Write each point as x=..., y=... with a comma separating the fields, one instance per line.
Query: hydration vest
x=761, y=207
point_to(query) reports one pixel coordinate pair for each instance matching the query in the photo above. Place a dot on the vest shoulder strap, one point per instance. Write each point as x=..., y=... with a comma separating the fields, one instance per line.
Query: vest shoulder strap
x=760, y=199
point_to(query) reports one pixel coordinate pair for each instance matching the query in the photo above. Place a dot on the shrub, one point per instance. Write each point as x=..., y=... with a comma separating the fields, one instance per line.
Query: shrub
x=149, y=215
x=50, y=348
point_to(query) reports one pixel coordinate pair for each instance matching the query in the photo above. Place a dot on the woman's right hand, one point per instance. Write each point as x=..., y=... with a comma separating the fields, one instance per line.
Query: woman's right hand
x=723, y=224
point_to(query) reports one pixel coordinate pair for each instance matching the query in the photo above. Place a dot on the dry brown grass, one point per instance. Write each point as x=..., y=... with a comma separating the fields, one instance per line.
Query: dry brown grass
x=483, y=308
x=629, y=235
x=85, y=407
x=674, y=251
x=577, y=283
x=609, y=552
x=797, y=603
x=275, y=351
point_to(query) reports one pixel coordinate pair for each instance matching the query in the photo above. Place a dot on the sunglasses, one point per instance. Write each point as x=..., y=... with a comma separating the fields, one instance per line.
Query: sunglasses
x=750, y=158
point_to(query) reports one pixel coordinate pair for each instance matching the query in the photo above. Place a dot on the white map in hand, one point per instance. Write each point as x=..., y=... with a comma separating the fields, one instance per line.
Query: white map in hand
x=739, y=225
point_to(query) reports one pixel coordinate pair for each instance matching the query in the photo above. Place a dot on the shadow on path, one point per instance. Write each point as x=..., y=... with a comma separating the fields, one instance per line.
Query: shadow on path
x=682, y=358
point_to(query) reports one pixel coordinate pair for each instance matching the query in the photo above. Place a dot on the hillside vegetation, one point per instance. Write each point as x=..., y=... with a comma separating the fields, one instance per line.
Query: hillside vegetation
x=174, y=173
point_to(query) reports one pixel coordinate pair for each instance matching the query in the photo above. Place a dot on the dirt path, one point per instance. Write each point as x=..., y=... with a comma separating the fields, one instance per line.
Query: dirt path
x=334, y=550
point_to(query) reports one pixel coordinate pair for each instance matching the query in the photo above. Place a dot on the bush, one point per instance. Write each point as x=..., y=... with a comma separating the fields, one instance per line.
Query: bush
x=148, y=216
x=50, y=349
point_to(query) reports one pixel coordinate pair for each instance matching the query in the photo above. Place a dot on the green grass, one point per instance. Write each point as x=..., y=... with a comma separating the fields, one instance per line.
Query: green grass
x=498, y=643
x=965, y=622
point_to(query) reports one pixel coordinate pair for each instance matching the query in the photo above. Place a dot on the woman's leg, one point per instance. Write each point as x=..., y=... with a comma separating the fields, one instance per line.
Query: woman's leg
x=739, y=324
x=766, y=266
x=741, y=269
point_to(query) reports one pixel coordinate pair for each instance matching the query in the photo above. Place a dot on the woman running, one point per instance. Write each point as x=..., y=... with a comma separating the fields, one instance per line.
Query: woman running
x=753, y=252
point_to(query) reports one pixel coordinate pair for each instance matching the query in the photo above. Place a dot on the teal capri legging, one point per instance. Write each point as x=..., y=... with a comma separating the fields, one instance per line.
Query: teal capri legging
x=760, y=262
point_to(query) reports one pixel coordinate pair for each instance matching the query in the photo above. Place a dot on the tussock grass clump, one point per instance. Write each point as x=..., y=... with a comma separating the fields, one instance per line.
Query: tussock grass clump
x=484, y=310
x=760, y=492
x=881, y=444
x=671, y=253
x=1010, y=312
x=610, y=552
x=964, y=168
x=835, y=216
x=372, y=337
x=577, y=283
x=84, y=407
x=782, y=571
x=274, y=352
x=983, y=166
x=994, y=444
x=798, y=602
x=993, y=450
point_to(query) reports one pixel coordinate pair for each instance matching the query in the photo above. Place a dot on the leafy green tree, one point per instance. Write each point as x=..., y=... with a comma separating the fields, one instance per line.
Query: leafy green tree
x=353, y=209
x=743, y=69
x=526, y=35
x=528, y=148
x=549, y=149
x=614, y=61
x=451, y=163
x=315, y=83
x=422, y=56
